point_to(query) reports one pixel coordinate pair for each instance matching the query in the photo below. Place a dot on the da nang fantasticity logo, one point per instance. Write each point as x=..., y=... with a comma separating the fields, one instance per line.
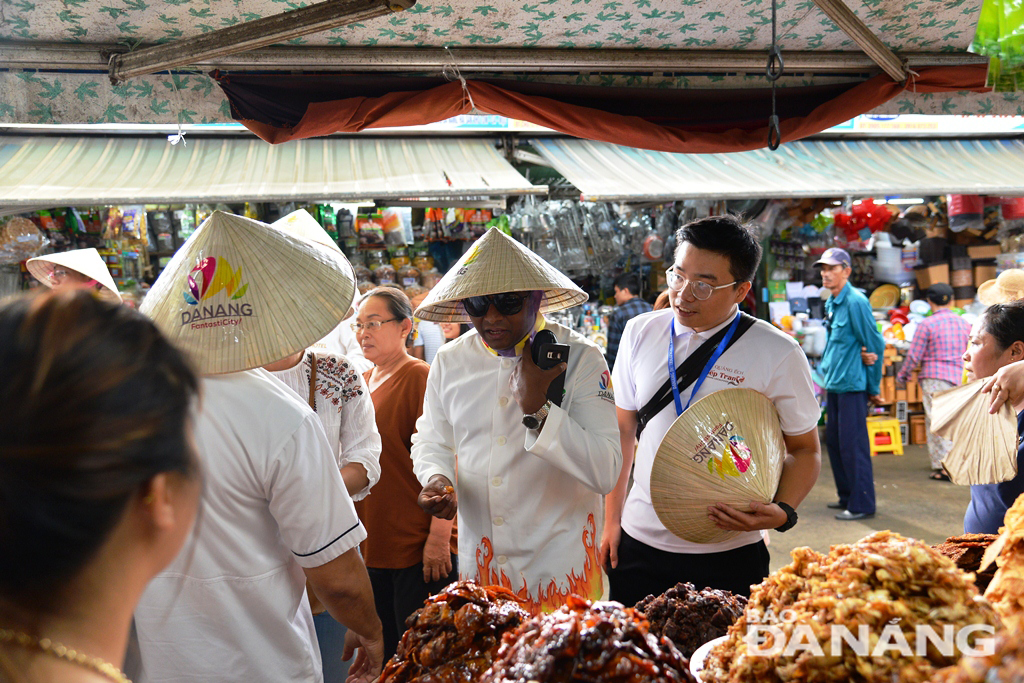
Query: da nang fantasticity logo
x=211, y=276
x=766, y=637
x=470, y=260
x=734, y=459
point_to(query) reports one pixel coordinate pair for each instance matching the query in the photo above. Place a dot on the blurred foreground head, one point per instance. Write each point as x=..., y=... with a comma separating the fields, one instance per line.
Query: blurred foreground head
x=96, y=445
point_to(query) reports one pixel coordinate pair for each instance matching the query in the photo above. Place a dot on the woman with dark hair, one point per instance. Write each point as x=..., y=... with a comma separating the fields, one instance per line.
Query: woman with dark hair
x=997, y=339
x=99, y=481
x=409, y=554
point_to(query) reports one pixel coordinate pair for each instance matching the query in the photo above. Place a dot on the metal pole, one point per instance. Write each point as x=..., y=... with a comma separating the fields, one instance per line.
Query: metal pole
x=90, y=57
x=859, y=32
x=250, y=35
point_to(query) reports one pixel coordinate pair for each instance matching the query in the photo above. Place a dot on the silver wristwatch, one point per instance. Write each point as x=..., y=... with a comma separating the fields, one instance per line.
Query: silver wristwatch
x=535, y=420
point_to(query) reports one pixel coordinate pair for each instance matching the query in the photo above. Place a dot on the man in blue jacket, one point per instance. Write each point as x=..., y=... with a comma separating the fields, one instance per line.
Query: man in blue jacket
x=850, y=384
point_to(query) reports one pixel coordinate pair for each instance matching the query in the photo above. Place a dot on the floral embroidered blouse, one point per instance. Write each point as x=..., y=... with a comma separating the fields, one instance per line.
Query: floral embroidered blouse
x=344, y=407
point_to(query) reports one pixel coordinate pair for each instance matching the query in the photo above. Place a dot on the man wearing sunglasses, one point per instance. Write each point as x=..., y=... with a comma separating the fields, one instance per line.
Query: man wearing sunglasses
x=711, y=274
x=532, y=468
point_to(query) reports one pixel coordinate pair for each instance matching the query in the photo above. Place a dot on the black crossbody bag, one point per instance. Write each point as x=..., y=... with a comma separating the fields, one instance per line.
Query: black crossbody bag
x=689, y=370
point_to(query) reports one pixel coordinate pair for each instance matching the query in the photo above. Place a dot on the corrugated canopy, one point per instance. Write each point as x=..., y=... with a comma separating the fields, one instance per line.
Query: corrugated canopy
x=59, y=171
x=818, y=168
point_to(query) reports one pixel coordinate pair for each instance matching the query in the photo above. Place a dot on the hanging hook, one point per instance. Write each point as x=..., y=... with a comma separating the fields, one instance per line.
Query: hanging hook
x=775, y=65
x=773, y=70
x=774, y=134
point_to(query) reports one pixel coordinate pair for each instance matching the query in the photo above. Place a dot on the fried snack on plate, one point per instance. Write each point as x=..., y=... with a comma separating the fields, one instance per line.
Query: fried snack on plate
x=584, y=642
x=454, y=636
x=887, y=592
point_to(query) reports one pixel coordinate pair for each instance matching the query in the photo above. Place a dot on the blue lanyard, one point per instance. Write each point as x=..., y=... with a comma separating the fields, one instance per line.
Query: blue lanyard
x=719, y=350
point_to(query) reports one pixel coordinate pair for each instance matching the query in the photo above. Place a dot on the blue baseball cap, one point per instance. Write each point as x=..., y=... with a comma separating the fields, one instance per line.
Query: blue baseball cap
x=834, y=257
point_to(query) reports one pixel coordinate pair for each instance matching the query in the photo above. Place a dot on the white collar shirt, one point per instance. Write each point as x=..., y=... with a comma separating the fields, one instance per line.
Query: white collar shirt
x=530, y=504
x=764, y=359
x=232, y=604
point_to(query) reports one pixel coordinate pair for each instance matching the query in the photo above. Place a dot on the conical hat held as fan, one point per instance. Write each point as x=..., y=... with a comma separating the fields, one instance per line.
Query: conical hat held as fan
x=728, y=447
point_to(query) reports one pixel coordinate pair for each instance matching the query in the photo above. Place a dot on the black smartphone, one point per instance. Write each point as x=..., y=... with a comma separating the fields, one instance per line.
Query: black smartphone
x=547, y=353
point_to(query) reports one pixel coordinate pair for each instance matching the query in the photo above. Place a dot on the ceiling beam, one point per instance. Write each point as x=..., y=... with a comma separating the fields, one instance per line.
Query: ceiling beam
x=250, y=35
x=872, y=45
x=85, y=57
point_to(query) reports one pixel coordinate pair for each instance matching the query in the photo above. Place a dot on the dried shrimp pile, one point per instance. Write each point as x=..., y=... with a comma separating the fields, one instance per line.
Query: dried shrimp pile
x=885, y=591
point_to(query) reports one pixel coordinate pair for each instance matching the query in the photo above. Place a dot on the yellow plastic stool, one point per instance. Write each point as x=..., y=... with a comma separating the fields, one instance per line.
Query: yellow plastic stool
x=878, y=426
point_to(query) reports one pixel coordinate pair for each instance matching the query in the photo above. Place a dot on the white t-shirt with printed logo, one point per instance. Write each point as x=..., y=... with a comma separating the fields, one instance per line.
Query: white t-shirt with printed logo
x=764, y=359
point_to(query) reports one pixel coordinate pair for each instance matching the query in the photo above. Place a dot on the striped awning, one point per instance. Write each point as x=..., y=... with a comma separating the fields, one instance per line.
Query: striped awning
x=84, y=171
x=813, y=168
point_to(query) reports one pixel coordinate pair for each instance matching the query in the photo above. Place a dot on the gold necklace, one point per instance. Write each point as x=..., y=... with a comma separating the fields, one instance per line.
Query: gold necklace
x=47, y=646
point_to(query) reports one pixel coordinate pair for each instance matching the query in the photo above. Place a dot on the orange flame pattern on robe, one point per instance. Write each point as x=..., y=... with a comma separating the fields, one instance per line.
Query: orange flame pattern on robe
x=587, y=584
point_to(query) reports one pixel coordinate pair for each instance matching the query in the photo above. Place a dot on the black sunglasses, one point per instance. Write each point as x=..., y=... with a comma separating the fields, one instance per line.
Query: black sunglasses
x=508, y=303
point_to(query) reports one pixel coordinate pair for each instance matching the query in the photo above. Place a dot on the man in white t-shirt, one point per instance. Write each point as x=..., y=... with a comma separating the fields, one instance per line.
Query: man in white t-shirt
x=714, y=264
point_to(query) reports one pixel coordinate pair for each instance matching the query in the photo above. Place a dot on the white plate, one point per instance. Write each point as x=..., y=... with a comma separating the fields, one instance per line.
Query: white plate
x=700, y=655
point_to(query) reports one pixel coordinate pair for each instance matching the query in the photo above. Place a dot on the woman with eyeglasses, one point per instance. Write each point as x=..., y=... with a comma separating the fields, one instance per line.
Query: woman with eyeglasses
x=409, y=554
x=76, y=269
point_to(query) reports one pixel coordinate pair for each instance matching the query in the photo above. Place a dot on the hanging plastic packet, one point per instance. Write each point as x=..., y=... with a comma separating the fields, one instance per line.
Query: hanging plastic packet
x=133, y=222
x=112, y=226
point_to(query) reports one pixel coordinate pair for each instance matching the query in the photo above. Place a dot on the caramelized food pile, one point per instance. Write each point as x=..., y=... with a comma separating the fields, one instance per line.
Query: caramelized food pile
x=454, y=637
x=602, y=642
x=888, y=587
x=690, y=617
x=966, y=552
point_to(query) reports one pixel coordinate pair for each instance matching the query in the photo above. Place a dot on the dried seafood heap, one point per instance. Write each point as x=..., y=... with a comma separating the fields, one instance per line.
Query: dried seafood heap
x=602, y=642
x=1005, y=664
x=890, y=585
x=1006, y=591
x=966, y=552
x=454, y=637
x=690, y=617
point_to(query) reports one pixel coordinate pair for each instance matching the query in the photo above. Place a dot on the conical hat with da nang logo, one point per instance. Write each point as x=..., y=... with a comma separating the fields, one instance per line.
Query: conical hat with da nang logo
x=725, y=448
x=240, y=294
x=497, y=263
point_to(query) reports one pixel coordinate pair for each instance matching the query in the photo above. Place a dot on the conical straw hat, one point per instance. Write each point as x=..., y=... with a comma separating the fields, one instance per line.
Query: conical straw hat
x=302, y=225
x=984, y=446
x=1009, y=286
x=497, y=263
x=240, y=294
x=88, y=262
x=725, y=448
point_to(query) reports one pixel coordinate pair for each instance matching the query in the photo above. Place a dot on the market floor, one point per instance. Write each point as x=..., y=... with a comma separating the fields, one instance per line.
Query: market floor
x=908, y=502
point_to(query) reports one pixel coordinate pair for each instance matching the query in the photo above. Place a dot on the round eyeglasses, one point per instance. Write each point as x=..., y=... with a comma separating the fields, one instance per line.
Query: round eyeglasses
x=58, y=275
x=699, y=289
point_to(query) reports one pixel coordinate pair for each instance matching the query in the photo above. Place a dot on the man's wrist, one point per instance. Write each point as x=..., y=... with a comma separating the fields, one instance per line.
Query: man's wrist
x=791, y=517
